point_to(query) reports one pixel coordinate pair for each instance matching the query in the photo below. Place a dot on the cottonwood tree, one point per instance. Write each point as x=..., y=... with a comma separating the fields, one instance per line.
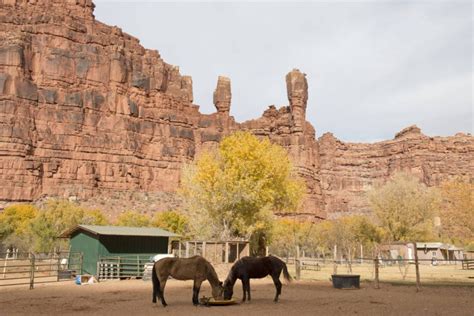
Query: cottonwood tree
x=172, y=221
x=55, y=217
x=348, y=234
x=132, y=219
x=15, y=226
x=234, y=190
x=404, y=208
x=457, y=211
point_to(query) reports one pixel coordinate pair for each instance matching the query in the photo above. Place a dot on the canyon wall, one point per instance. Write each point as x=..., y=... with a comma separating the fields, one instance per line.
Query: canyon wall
x=349, y=169
x=86, y=112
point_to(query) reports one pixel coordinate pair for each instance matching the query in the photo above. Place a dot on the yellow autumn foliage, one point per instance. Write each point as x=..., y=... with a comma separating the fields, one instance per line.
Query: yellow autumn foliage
x=234, y=190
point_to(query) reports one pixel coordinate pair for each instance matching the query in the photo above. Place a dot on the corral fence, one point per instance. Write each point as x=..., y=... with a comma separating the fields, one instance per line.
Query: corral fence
x=121, y=267
x=379, y=270
x=468, y=264
x=17, y=268
x=216, y=252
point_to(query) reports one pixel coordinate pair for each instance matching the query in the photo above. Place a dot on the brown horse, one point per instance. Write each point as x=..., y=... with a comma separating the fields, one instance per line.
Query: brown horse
x=255, y=268
x=195, y=268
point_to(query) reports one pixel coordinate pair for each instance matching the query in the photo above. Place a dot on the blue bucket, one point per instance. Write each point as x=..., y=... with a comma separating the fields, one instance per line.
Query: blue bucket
x=78, y=280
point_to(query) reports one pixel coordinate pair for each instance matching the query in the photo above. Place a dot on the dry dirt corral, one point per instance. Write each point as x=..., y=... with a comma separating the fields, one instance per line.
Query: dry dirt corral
x=133, y=297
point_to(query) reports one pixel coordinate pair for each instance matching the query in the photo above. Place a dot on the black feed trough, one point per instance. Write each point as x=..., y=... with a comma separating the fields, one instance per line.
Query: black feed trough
x=346, y=281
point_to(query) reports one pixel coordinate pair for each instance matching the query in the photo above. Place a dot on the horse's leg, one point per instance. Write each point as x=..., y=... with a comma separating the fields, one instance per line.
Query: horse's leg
x=161, y=293
x=196, y=289
x=245, y=288
x=248, y=289
x=276, y=281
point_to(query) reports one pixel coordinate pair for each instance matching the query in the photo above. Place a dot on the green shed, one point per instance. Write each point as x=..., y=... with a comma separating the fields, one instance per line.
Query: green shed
x=97, y=242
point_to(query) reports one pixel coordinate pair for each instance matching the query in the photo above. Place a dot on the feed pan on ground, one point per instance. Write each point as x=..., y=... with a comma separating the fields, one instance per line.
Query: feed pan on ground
x=213, y=302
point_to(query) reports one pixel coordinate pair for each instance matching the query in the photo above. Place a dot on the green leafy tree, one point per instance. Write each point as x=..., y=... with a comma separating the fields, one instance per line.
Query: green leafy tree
x=172, y=221
x=288, y=233
x=234, y=191
x=133, y=219
x=55, y=217
x=405, y=208
x=15, y=226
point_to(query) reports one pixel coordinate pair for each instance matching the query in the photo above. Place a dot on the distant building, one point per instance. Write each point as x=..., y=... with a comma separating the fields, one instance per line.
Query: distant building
x=428, y=252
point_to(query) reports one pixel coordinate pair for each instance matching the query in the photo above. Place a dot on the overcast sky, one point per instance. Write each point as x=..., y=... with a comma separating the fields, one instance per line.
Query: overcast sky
x=373, y=67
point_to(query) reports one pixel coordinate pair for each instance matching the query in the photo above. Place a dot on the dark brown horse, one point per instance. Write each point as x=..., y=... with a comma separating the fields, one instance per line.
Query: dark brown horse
x=255, y=268
x=195, y=268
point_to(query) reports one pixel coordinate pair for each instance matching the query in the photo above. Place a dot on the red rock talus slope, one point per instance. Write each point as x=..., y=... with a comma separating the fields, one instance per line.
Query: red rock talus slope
x=86, y=111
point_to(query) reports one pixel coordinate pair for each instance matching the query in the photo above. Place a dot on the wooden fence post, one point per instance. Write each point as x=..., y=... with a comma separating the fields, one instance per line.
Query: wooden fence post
x=417, y=268
x=32, y=271
x=186, y=253
x=376, y=268
x=226, y=252
x=5, y=263
x=335, y=258
x=58, y=267
x=298, y=263
x=81, y=261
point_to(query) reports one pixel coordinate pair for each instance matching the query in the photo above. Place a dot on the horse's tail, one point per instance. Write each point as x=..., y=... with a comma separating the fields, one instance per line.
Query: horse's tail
x=156, y=284
x=285, y=273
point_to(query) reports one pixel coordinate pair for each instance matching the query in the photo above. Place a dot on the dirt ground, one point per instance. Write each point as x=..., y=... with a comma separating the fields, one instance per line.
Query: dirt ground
x=133, y=297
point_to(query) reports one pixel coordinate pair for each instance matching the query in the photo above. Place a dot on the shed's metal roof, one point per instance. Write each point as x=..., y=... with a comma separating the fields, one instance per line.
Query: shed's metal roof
x=120, y=231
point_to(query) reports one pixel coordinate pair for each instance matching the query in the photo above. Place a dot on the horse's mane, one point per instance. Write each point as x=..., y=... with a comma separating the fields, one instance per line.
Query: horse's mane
x=212, y=272
x=231, y=277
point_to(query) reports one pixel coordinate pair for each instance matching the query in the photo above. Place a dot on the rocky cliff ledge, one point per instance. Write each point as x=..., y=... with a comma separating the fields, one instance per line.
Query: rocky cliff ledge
x=87, y=112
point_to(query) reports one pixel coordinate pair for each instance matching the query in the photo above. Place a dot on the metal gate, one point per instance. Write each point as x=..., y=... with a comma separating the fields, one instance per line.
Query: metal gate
x=121, y=267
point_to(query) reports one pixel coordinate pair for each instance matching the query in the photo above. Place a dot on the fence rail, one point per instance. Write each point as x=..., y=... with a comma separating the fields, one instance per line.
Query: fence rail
x=468, y=264
x=30, y=269
x=375, y=270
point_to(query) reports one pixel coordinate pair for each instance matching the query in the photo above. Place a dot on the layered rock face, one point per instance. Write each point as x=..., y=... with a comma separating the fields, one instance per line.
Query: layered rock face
x=85, y=109
x=349, y=169
x=87, y=112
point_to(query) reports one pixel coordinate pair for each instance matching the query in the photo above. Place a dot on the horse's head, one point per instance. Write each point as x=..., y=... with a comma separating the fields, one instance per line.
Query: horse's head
x=217, y=291
x=228, y=289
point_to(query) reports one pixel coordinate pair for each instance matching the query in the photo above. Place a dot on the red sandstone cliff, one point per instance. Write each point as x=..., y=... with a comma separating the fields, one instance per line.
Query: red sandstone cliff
x=349, y=169
x=87, y=112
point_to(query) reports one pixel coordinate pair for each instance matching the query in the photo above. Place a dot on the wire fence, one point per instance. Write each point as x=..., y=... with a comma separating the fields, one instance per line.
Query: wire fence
x=30, y=269
x=400, y=271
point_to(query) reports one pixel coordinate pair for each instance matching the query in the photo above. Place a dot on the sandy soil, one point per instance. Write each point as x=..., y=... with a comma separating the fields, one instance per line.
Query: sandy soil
x=133, y=297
